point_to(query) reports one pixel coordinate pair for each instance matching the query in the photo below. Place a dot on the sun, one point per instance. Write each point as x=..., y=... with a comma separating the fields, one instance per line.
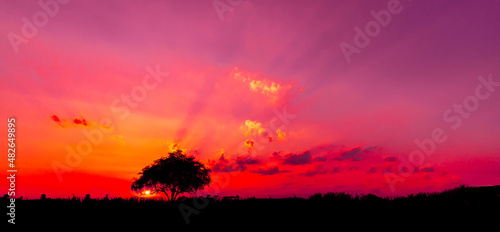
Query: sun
x=147, y=192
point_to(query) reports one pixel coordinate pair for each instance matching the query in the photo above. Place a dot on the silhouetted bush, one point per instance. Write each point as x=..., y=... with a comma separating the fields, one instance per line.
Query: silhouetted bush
x=462, y=203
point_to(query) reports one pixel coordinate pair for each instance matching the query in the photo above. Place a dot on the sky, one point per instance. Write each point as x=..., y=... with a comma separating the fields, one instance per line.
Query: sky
x=278, y=98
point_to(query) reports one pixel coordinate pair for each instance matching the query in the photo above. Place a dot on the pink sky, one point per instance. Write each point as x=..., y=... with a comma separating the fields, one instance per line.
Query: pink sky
x=353, y=123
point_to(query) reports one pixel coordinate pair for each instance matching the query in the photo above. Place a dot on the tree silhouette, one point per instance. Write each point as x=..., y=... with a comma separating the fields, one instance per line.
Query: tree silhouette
x=173, y=175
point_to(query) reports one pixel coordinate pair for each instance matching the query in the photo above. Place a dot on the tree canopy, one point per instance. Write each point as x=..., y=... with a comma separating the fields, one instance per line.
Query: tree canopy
x=173, y=175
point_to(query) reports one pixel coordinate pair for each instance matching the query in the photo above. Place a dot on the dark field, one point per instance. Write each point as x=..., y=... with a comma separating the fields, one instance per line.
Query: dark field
x=471, y=205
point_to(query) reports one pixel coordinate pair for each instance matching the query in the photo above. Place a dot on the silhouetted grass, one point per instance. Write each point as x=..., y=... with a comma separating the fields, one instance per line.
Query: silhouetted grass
x=462, y=203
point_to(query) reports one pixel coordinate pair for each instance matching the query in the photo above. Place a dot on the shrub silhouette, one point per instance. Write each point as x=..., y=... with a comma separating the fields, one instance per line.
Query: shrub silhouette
x=173, y=175
x=459, y=205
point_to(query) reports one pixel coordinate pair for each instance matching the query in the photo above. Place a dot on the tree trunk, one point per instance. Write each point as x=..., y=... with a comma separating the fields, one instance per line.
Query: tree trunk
x=166, y=194
x=176, y=195
x=172, y=196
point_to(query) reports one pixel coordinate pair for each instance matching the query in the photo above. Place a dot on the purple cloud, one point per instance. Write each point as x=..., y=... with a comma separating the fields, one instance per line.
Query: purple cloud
x=298, y=159
x=268, y=171
x=372, y=170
